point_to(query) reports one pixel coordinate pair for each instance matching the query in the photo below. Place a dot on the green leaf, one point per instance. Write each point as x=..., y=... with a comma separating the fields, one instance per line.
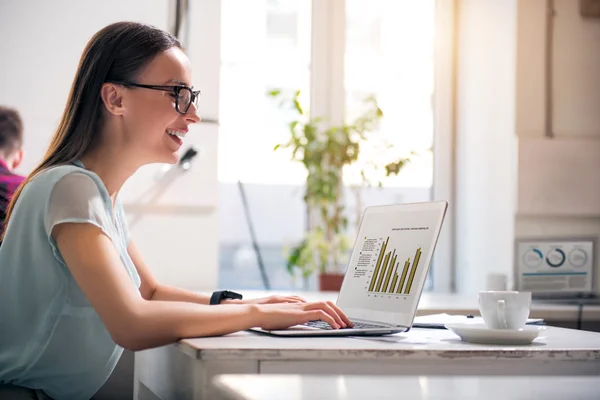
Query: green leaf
x=276, y=147
x=295, y=256
x=274, y=92
x=293, y=126
x=298, y=107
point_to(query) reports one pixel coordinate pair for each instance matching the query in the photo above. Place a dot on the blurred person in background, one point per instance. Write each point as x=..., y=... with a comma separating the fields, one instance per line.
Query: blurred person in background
x=11, y=155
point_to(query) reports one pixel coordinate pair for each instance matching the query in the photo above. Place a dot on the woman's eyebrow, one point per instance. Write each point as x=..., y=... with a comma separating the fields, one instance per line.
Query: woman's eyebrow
x=177, y=82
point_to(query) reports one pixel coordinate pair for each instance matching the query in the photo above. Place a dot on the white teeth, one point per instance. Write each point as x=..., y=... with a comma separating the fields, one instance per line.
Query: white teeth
x=179, y=134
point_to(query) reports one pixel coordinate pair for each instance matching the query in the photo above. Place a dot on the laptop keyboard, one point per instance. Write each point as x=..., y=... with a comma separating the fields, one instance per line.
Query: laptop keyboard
x=357, y=325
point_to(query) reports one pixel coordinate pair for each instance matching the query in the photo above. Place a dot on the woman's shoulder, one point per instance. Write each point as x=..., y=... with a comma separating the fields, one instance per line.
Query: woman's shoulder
x=50, y=176
x=65, y=177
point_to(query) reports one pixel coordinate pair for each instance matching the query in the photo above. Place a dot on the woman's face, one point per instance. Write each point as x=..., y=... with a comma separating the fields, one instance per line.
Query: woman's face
x=153, y=128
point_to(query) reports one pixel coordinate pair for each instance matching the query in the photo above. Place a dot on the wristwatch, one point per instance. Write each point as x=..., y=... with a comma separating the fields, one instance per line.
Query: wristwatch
x=221, y=295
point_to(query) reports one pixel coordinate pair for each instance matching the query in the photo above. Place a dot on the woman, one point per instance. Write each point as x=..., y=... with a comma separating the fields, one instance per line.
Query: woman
x=74, y=289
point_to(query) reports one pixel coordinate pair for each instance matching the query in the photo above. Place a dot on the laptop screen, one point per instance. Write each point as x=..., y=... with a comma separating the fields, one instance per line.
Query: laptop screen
x=390, y=260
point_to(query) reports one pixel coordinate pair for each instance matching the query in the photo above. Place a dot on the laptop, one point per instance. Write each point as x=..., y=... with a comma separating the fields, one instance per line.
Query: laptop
x=386, y=271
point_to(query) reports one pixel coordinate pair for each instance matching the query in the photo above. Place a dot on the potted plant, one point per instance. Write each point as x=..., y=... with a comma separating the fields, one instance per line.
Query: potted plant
x=326, y=150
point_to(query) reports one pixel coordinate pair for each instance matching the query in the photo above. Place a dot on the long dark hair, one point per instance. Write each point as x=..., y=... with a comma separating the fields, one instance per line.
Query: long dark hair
x=115, y=53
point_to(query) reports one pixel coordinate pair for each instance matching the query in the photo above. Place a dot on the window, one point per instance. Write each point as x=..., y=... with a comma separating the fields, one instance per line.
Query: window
x=389, y=55
x=266, y=44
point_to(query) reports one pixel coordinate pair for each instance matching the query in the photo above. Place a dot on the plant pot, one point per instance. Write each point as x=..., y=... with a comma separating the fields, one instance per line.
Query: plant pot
x=330, y=282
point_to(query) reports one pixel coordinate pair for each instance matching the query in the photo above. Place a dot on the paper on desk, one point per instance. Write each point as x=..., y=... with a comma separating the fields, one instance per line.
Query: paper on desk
x=439, y=320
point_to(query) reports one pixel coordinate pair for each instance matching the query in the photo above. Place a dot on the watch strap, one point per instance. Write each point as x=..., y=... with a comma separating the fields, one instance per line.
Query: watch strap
x=220, y=295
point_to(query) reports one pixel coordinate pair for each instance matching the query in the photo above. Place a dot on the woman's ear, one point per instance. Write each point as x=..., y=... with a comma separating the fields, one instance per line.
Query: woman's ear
x=112, y=97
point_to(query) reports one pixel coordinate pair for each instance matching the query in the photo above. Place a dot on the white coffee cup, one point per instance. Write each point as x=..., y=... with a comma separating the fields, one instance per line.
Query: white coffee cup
x=504, y=309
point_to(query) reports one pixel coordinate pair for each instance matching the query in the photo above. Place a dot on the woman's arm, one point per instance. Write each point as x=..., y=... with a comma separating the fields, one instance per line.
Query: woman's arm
x=136, y=323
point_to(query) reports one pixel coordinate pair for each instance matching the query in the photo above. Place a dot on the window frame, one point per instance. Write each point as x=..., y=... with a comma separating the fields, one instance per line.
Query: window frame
x=444, y=140
x=328, y=99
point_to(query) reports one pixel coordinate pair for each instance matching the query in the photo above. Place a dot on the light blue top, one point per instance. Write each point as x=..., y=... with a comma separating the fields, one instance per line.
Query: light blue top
x=51, y=338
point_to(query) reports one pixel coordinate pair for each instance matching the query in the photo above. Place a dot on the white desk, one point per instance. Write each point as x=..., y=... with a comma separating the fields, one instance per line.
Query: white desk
x=360, y=387
x=185, y=370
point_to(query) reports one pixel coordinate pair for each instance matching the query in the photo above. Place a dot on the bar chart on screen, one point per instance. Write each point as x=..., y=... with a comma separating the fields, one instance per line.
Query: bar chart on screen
x=388, y=277
x=390, y=261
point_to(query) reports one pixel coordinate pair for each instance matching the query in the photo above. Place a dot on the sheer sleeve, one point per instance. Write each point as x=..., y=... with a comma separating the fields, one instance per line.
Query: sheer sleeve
x=122, y=221
x=76, y=198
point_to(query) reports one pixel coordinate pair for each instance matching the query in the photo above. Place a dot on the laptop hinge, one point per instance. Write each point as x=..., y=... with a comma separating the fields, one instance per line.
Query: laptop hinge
x=384, y=324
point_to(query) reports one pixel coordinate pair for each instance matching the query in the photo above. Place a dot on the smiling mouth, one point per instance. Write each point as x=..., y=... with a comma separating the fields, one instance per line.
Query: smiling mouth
x=179, y=134
x=176, y=136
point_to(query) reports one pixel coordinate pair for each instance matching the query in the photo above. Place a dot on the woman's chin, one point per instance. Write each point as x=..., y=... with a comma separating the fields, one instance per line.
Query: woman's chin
x=173, y=158
x=166, y=158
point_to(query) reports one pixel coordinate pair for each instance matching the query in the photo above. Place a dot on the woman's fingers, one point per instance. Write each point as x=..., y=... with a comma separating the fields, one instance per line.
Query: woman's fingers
x=331, y=309
x=322, y=315
x=324, y=311
x=342, y=315
x=326, y=307
x=293, y=299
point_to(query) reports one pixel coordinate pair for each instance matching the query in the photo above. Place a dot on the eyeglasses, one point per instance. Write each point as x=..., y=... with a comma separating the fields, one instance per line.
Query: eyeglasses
x=184, y=95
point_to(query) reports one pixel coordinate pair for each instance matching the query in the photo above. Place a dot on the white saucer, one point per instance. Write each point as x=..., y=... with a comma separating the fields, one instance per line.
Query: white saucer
x=480, y=333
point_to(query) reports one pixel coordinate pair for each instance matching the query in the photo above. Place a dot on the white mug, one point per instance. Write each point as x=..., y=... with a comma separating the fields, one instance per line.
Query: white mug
x=504, y=309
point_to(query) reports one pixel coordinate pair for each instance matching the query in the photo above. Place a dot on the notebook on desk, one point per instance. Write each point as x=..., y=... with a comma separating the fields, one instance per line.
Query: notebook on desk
x=439, y=321
x=386, y=271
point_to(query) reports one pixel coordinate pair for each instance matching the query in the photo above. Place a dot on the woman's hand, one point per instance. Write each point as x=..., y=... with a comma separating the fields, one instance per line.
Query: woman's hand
x=273, y=300
x=283, y=315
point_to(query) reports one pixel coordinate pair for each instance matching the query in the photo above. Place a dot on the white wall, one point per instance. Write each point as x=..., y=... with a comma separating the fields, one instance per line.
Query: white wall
x=576, y=97
x=575, y=64
x=485, y=140
x=576, y=77
x=41, y=45
x=500, y=105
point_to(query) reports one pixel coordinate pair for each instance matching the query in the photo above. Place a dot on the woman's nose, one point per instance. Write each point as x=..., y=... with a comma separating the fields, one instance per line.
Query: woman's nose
x=192, y=114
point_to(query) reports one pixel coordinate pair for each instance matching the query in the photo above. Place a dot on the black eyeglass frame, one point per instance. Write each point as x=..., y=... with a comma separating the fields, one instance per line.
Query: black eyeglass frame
x=176, y=89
